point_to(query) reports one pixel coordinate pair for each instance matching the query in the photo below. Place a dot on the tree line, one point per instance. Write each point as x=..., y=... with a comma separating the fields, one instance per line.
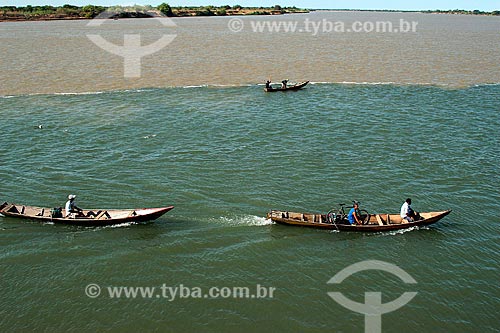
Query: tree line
x=463, y=12
x=91, y=11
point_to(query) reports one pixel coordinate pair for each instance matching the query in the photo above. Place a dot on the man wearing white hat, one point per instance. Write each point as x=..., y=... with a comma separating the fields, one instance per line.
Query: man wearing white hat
x=71, y=208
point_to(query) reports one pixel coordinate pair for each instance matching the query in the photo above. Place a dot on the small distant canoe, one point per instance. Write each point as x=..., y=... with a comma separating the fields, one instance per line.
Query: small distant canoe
x=290, y=88
x=94, y=217
x=376, y=222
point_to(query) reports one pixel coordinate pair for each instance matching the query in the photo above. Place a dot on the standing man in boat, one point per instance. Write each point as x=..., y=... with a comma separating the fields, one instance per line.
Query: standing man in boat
x=283, y=84
x=352, y=217
x=71, y=209
x=407, y=213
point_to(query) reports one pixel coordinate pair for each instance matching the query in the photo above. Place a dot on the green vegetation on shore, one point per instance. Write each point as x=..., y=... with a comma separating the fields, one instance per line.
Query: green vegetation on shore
x=436, y=11
x=66, y=12
x=49, y=12
x=463, y=12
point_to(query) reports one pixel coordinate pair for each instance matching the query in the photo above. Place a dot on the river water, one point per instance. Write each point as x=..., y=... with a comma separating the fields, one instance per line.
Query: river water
x=447, y=50
x=386, y=117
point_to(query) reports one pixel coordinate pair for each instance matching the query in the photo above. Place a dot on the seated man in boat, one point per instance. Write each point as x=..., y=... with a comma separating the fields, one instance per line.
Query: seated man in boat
x=283, y=84
x=268, y=84
x=407, y=213
x=353, y=216
x=71, y=209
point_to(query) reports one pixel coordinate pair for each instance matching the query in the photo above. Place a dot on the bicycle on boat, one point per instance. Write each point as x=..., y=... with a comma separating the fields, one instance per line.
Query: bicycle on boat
x=339, y=215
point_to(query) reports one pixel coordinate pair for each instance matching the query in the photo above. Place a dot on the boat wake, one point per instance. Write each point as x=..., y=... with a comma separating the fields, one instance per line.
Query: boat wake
x=258, y=84
x=403, y=231
x=114, y=226
x=245, y=220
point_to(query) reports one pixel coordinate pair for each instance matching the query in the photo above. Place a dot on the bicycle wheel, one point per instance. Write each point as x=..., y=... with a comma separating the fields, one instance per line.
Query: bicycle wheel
x=331, y=216
x=364, y=216
x=341, y=217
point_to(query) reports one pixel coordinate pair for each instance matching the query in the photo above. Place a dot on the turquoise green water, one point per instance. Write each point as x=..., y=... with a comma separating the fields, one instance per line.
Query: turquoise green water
x=224, y=157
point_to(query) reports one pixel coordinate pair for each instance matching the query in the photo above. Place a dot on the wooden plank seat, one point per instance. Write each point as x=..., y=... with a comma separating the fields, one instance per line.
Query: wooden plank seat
x=11, y=208
x=102, y=215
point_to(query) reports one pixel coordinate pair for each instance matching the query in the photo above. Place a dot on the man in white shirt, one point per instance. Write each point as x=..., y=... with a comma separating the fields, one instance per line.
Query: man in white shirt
x=71, y=209
x=407, y=213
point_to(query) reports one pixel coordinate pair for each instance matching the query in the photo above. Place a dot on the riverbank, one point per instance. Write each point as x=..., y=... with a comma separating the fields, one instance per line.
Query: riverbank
x=70, y=12
x=437, y=11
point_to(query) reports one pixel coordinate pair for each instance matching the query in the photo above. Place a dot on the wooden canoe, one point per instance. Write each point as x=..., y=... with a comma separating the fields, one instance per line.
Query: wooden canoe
x=290, y=88
x=376, y=222
x=94, y=217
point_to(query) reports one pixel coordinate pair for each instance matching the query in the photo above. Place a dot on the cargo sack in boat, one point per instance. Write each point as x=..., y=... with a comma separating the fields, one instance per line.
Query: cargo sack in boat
x=56, y=212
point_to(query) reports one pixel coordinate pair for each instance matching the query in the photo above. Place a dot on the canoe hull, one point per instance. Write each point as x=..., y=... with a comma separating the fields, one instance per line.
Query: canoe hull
x=375, y=224
x=104, y=216
x=291, y=88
